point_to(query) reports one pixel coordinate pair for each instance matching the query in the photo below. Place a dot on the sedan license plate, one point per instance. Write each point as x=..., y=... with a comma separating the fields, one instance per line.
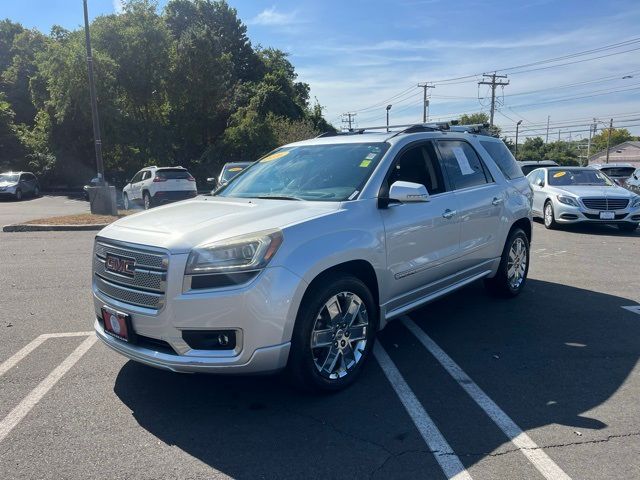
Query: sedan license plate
x=117, y=324
x=607, y=215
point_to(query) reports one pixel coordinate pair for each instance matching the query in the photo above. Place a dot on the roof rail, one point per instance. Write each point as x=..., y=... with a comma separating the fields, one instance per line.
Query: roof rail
x=476, y=128
x=353, y=131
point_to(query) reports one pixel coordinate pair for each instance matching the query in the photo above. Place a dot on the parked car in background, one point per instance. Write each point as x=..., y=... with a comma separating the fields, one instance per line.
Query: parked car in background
x=633, y=182
x=528, y=166
x=115, y=179
x=300, y=260
x=230, y=170
x=18, y=185
x=154, y=186
x=618, y=172
x=564, y=195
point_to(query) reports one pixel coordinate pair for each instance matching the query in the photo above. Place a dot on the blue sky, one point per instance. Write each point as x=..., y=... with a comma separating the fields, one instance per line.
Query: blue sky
x=358, y=55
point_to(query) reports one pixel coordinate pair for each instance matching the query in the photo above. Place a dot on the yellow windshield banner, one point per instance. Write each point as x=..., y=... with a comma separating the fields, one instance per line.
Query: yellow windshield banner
x=275, y=156
x=559, y=174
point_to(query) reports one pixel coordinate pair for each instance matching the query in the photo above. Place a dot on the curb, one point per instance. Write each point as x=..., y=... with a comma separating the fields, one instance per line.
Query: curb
x=27, y=227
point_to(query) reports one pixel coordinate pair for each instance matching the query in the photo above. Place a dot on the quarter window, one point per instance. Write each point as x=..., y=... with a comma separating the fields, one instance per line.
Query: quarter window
x=419, y=165
x=502, y=157
x=462, y=164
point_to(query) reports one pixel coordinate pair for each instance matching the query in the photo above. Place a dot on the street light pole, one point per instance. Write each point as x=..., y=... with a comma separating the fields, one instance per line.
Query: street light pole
x=388, y=108
x=517, y=127
x=94, y=104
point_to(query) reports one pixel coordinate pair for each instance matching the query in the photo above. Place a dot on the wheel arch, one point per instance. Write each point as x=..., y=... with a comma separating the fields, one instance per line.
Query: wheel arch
x=524, y=224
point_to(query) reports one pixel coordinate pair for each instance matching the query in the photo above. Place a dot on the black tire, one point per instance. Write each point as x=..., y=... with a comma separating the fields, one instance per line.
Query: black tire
x=36, y=192
x=18, y=194
x=627, y=227
x=301, y=368
x=549, y=223
x=125, y=202
x=146, y=201
x=501, y=284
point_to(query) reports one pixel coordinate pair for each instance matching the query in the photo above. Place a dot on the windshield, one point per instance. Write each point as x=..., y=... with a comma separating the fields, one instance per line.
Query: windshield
x=333, y=172
x=8, y=177
x=618, y=171
x=231, y=171
x=585, y=176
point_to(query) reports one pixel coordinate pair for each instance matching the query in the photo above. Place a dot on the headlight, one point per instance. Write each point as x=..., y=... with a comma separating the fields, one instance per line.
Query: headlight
x=635, y=203
x=568, y=200
x=249, y=252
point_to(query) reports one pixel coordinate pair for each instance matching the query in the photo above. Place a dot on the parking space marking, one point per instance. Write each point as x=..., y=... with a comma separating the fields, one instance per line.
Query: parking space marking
x=633, y=308
x=444, y=454
x=31, y=346
x=554, y=254
x=520, y=439
x=31, y=400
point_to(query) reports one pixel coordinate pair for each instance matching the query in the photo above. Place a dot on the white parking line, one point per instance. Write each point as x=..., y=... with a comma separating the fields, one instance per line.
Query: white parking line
x=31, y=400
x=527, y=446
x=27, y=349
x=444, y=454
x=633, y=309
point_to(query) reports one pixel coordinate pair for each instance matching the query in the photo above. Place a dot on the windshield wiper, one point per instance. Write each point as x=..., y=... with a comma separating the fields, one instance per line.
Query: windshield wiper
x=278, y=197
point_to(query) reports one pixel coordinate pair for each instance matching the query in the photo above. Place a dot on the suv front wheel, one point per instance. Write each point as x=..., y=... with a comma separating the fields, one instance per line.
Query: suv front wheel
x=514, y=266
x=333, y=335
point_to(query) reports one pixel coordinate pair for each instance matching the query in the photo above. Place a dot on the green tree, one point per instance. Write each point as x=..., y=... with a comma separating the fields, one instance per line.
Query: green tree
x=473, y=118
x=618, y=136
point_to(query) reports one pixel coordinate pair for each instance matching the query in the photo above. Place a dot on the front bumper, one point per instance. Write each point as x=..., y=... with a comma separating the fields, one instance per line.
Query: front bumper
x=570, y=214
x=262, y=313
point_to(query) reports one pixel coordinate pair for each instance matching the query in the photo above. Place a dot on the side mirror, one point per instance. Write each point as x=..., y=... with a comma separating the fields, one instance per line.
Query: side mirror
x=408, y=192
x=212, y=181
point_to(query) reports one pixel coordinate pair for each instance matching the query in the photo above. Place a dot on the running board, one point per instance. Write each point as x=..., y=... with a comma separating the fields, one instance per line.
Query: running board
x=433, y=296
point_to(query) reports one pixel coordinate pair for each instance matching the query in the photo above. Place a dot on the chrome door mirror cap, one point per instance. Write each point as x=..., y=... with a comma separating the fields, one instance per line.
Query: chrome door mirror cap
x=408, y=192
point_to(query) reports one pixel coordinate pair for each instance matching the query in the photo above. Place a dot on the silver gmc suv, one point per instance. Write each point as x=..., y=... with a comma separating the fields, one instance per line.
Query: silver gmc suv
x=306, y=254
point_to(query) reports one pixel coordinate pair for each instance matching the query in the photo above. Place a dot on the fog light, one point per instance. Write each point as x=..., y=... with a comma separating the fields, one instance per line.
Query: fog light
x=210, y=339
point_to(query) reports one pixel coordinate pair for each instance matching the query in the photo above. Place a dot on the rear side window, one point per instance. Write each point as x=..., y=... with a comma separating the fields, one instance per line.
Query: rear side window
x=501, y=155
x=173, y=174
x=462, y=164
x=419, y=165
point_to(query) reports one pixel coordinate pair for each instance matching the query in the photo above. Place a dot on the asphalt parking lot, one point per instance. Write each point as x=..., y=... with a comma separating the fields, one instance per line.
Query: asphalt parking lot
x=42, y=207
x=542, y=386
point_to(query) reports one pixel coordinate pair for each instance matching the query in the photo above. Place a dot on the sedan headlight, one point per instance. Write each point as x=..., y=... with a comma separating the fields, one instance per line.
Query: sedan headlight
x=238, y=254
x=568, y=200
x=635, y=203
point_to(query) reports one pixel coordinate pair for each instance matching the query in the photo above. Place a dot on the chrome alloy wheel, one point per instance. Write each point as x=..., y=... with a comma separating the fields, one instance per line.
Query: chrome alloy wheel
x=548, y=214
x=339, y=335
x=517, y=263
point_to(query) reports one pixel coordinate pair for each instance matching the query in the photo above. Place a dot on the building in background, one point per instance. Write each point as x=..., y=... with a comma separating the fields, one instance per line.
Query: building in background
x=626, y=152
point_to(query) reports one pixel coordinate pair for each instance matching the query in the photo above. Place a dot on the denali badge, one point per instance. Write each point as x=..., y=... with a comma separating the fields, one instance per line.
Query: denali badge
x=122, y=265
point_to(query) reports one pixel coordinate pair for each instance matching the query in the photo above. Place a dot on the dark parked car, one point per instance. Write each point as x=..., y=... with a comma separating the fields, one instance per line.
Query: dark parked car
x=19, y=184
x=529, y=166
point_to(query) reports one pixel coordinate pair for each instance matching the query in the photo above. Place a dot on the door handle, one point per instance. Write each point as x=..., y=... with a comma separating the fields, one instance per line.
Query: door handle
x=449, y=214
x=497, y=201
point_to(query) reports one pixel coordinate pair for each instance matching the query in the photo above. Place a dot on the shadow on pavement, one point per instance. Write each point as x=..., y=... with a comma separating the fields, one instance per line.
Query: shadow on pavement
x=545, y=358
x=594, y=229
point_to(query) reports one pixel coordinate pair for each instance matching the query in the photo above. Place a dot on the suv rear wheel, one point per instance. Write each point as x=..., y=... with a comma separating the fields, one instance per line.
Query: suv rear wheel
x=146, y=198
x=334, y=334
x=514, y=266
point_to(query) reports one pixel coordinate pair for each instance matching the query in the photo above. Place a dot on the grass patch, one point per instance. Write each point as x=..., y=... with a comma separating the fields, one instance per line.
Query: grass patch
x=80, y=219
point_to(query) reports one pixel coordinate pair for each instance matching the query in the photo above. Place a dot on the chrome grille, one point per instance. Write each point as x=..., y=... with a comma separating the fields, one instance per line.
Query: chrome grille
x=148, y=285
x=605, y=203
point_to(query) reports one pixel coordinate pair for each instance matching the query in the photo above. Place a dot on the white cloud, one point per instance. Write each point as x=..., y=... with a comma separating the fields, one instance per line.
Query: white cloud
x=271, y=17
x=118, y=6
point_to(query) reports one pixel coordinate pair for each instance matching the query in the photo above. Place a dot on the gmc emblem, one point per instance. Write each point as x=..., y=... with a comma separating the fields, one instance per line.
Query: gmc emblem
x=122, y=265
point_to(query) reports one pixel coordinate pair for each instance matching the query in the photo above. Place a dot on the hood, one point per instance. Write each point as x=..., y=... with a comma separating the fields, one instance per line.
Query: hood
x=181, y=226
x=594, y=191
x=8, y=184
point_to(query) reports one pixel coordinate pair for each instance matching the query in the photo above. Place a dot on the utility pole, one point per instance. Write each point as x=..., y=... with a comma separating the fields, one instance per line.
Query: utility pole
x=425, y=101
x=592, y=131
x=548, y=118
x=517, y=127
x=609, y=138
x=349, y=118
x=493, y=83
x=94, y=104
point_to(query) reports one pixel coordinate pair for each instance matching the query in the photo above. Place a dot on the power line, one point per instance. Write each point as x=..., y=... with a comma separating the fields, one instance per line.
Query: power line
x=350, y=116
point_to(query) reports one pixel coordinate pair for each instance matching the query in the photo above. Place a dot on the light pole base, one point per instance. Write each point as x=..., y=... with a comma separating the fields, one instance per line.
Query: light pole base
x=103, y=200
